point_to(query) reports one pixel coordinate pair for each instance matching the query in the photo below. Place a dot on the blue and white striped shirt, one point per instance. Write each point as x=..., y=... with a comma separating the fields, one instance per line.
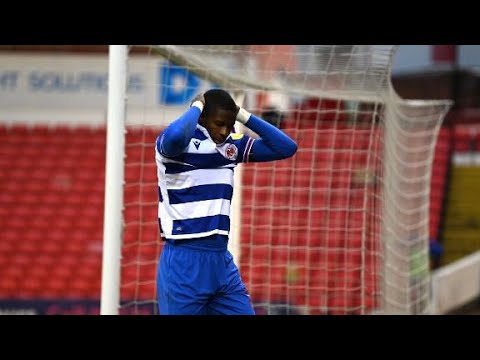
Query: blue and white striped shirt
x=196, y=187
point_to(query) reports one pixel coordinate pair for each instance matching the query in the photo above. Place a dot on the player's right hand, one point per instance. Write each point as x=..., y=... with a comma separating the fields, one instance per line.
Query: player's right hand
x=199, y=97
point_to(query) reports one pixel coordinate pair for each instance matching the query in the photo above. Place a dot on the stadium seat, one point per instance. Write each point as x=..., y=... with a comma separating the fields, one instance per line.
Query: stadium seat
x=59, y=176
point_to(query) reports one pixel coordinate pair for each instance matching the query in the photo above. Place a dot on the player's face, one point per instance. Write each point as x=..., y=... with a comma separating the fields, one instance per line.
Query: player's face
x=219, y=124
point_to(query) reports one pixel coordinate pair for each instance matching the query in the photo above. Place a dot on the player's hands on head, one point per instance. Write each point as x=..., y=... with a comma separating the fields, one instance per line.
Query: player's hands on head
x=199, y=97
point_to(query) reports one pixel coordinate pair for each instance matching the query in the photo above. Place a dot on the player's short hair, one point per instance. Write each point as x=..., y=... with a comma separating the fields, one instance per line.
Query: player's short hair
x=218, y=99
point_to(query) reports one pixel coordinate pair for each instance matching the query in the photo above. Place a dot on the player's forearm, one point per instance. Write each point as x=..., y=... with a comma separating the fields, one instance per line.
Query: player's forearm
x=178, y=134
x=273, y=144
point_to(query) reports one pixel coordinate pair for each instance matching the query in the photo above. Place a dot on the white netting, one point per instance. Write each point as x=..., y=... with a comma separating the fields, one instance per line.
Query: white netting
x=340, y=228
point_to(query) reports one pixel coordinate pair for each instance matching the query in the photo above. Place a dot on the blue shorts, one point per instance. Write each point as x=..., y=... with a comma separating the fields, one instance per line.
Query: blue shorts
x=200, y=282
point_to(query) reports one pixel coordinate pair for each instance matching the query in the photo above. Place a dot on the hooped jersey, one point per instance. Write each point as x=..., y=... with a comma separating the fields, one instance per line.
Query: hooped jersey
x=196, y=187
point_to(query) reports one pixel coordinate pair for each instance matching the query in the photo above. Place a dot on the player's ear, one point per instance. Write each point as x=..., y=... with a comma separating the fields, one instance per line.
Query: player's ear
x=202, y=119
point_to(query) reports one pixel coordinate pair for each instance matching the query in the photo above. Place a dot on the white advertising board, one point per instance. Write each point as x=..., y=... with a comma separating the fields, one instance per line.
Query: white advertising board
x=74, y=88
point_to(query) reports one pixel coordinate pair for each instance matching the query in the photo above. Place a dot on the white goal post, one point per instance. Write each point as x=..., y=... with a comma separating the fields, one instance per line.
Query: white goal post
x=114, y=180
x=341, y=228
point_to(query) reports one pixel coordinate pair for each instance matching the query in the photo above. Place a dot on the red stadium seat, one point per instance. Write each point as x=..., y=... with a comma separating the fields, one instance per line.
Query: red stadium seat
x=51, y=210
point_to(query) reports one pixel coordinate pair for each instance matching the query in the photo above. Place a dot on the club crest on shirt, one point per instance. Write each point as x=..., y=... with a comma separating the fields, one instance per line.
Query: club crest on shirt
x=231, y=152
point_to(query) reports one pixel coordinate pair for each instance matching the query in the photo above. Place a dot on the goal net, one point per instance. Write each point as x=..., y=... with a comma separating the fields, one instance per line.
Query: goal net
x=339, y=228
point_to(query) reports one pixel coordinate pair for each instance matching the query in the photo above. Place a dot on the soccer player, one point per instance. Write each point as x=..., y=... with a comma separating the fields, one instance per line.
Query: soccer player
x=196, y=156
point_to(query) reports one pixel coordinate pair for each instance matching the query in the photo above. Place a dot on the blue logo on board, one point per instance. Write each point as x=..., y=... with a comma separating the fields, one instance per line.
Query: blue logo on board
x=177, y=85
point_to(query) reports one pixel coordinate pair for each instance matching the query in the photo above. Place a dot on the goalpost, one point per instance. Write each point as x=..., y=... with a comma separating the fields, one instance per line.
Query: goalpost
x=340, y=228
x=114, y=174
